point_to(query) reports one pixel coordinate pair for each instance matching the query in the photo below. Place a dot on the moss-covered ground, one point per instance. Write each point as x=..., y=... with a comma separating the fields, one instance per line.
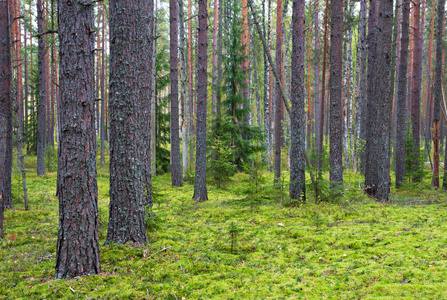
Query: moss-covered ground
x=347, y=249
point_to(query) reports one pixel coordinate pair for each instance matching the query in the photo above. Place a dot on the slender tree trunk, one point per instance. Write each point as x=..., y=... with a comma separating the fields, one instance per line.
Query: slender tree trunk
x=319, y=145
x=20, y=157
x=317, y=96
x=183, y=91
x=267, y=111
x=41, y=110
x=215, y=49
x=77, y=251
x=363, y=88
x=384, y=97
x=416, y=88
x=438, y=94
x=200, y=191
x=219, y=61
x=298, y=126
x=371, y=111
x=246, y=63
x=429, y=88
x=5, y=101
x=190, y=86
x=336, y=113
x=130, y=90
x=278, y=99
x=176, y=168
x=103, y=89
x=401, y=96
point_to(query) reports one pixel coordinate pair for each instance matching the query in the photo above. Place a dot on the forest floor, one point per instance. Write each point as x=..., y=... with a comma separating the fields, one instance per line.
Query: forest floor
x=350, y=248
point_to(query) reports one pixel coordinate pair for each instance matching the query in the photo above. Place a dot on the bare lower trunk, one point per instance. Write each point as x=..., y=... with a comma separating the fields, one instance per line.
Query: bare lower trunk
x=77, y=251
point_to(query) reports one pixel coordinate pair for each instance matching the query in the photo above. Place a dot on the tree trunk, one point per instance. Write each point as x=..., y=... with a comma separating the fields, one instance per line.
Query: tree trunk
x=5, y=102
x=363, y=88
x=77, y=251
x=319, y=144
x=41, y=110
x=215, y=49
x=267, y=144
x=384, y=97
x=297, y=117
x=103, y=89
x=416, y=89
x=190, y=87
x=20, y=157
x=317, y=96
x=278, y=99
x=130, y=89
x=438, y=94
x=401, y=97
x=200, y=191
x=176, y=167
x=371, y=109
x=336, y=90
x=246, y=63
x=183, y=78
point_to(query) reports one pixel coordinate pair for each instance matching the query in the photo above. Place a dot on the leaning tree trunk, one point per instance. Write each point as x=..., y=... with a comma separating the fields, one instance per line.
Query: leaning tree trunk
x=77, y=251
x=130, y=88
x=336, y=90
x=200, y=192
x=41, y=115
x=176, y=168
x=298, y=126
x=438, y=95
x=401, y=96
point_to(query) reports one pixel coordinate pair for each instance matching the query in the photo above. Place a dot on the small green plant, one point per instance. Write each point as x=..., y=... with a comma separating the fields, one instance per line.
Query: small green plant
x=257, y=187
x=233, y=231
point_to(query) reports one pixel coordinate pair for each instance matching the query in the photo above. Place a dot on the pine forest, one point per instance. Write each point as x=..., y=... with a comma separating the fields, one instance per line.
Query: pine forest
x=210, y=149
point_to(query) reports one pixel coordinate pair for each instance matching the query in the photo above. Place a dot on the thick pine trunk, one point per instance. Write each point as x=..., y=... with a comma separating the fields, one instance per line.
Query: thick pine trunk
x=401, y=96
x=77, y=251
x=176, y=167
x=297, y=117
x=200, y=191
x=336, y=90
x=130, y=92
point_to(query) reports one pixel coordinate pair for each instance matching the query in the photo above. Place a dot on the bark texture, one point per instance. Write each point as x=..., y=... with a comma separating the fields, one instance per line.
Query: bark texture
x=130, y=88
x=336, y=90
x=362, y=88
x=176, y=167
x=5, y=101
x=77, y=251
x=401, y=96
x=200, y=191
x=297, y=117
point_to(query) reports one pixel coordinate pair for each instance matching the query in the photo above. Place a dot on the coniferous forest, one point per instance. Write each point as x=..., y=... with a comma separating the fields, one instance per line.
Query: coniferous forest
x=210, y=149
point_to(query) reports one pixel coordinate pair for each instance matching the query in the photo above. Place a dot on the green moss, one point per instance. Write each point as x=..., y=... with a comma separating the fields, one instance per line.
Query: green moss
x=350, y=249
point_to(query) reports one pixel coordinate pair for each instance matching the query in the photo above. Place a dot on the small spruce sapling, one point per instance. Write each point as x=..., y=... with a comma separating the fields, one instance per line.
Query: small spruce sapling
x=233, y=231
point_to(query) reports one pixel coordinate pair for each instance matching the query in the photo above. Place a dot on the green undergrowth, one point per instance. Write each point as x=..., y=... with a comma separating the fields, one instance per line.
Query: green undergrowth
x=225, y=249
